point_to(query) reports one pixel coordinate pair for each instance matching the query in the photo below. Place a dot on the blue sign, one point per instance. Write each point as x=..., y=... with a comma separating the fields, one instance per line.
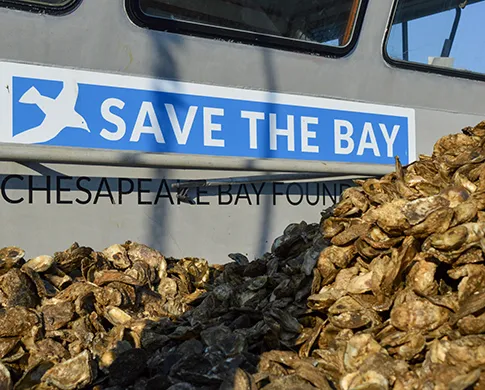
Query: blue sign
x=64, y=107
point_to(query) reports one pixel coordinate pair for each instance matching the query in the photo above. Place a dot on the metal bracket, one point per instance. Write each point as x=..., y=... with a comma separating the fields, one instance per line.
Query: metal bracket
x=186, y=191
x=264, y=178
x=186, y=195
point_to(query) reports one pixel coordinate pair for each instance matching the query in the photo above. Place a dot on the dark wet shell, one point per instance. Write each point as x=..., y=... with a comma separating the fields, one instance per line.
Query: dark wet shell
x=239, y=258
x=127, y=367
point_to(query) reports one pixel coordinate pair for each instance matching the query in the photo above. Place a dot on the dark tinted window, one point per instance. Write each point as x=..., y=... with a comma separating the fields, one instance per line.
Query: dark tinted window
x=328, y=22
x=53, y=7
x=443, y=35
x=58, y=3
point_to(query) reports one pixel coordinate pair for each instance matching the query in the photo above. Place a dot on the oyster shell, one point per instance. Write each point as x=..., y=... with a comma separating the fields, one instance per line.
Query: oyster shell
x=117, y=255
x=40, y=263
x=10, y=256
x=72, y=374
x=18, y=290
x=5, y=378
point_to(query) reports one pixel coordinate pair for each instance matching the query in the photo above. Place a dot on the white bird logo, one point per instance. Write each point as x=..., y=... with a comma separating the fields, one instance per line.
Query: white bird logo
x=59, y=114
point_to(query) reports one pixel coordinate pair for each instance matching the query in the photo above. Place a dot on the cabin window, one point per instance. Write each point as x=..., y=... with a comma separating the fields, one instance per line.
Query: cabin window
x=444, y=36
x=315, y=25
x=44, y=2
x=48, y=6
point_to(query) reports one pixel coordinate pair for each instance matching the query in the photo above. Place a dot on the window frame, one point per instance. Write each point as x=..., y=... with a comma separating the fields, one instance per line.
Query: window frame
x=419, y=66
x=41, y=9
x=188, y=28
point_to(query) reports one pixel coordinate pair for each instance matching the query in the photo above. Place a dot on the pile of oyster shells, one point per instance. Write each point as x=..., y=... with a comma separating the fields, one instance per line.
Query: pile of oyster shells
x=400, y=293
x=129, y=318
x=69, y=319
x=386, y=292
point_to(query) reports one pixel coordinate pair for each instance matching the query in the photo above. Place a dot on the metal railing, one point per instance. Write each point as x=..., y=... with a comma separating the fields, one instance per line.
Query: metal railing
x=22, y=153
